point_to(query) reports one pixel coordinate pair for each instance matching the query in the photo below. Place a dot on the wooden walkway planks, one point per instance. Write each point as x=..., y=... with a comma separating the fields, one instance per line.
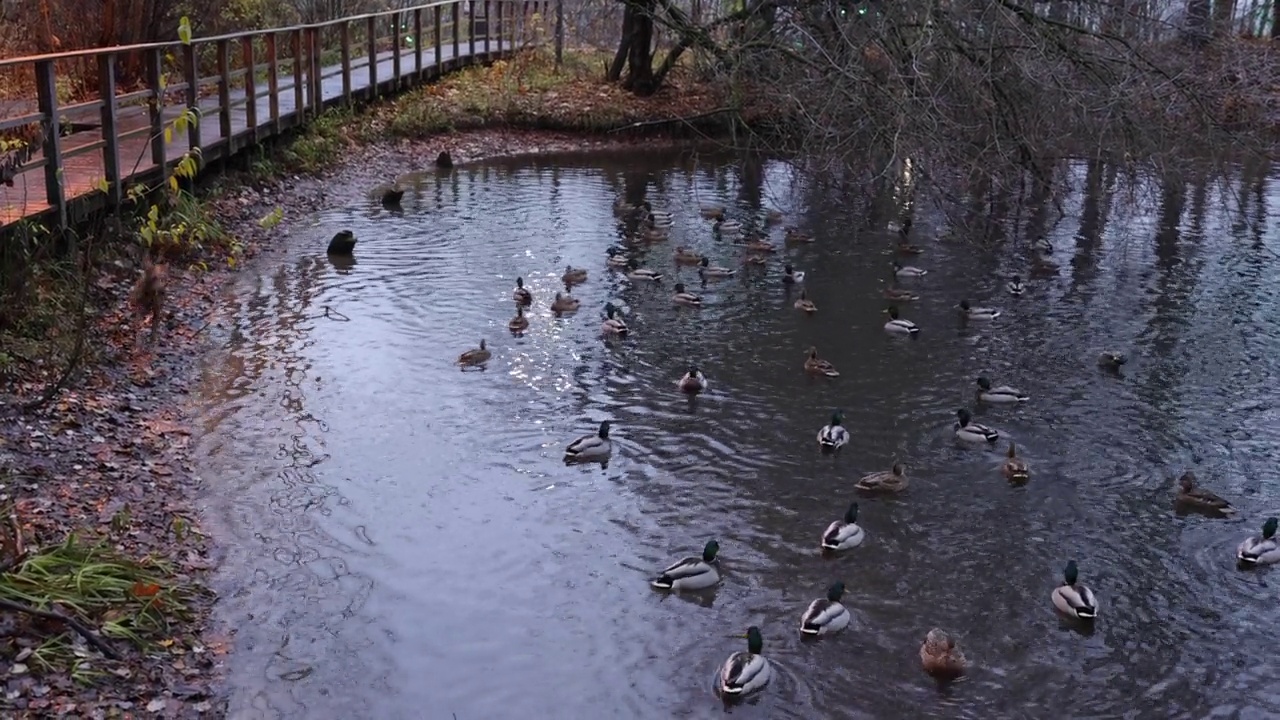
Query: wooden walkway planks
x=83, y=174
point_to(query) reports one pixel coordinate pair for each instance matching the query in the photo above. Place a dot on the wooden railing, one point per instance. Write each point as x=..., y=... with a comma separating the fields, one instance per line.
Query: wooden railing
x=246, y=87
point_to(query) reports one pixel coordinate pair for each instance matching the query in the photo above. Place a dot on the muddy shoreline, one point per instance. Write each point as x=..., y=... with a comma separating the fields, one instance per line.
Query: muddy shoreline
x=111, y=457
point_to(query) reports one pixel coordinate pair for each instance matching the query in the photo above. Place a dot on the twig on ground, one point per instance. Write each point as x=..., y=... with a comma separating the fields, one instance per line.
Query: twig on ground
x=70, y=622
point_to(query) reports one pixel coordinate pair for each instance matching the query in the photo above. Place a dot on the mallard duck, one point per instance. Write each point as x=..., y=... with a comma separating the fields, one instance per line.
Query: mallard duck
x=757, y=260
x=977, y=313
x=590, y=447
x=899, y=326
x=649, y=233
x=622, y=207
x=886, y=481
x=617, y=258
x=795, y=236
x=1042, y=267
x=805, y=304
x=691, y=573
x=714, y=271
x=906, y=248
x=941, y=655
x=772, y=216
x=1015, y=469
x=1042, y=245
x=342, y=244
x=833, y=435
x=760, y=246
x=693, y=381
x=636, y=272
x=1260, y=549
x=658, y=218
x=1016, y=286
x=712, y=212
x=391, y=197
x=845, y=533
x=1001, y=394
x=745, y=672
x=682, y=297
x=521, y=294
x=1190, y=495
x=967, y=429
x=825, y=615
x=726, y=227
x=908, y=271
x=573, y=275
x=477, y=356
x=1074, y=598
x=898, y=294
x=791, y=276
x=685, y=256
x=613, y=325
x=519, y=323
x=1112, y=360
x=817, y=366
x=564, y=304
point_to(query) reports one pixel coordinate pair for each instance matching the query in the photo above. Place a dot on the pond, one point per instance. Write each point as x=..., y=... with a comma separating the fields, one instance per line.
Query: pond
x=404, y=541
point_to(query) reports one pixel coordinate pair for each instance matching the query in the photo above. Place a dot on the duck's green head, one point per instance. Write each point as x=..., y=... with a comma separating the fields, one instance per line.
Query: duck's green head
x=835, y=592
x=893, y=311
x=899, y=468
x=984, y=383
x=604, y=430
x=710, y=551
x=520, y=282
x=609, y=309
x=679, y=288
x=705, y=262
x=851, y=515
x=1071, y=573
x=964, y=304
x=788, y=269
x=755, y=641
x=693, y=371
x=837, y=418
x=1269, y=528
x=964, y=416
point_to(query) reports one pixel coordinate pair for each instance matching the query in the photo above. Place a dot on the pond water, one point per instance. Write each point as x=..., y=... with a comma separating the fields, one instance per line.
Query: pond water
x=403, y=540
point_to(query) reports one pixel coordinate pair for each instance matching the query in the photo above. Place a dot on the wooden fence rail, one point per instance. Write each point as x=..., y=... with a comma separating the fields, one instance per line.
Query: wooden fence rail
x=246, y=87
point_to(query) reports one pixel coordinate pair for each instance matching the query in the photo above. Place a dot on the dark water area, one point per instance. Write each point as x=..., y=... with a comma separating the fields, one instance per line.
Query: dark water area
x=404, y=541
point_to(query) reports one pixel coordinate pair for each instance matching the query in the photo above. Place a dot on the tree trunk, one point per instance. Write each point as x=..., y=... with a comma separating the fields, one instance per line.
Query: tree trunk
x=1223, y=18
x=624, y=45
x=1196, y=28
x=1275, y=20
x=640, y=78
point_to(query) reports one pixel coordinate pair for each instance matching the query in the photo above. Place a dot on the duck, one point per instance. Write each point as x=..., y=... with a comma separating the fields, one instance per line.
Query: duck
x=726, y=227
x=902, y=271
x=521, y=294
x=685, y=256
x=899, y=326
x=617, y=258
x=967, y=429
x=845, y=533
x=622, y=207
x=905, y=248
x=391, y=197
x=745, y=672
x=649, y=233
x=573, y=276
x=1043, y=267
x=591, y=447
x=519, y=323
x=712, y=212
x=805, y=304
x=693, y=381
x=977, y=313
x=637, y=272
x=691, y=573
x=791, y=276
x=796, y=236
x=1260, y=549
x=833, y=435
x=760, y=245
x=682, y=297
x=772, y=216
x=476, y=356
x=757, y=260
x=886, y=481
x=564, y=303
x=898, y=294
x=1192, y=496
x=1015, y=286
x=941, y=656
x=1042, y=245
x=1014, y=468
x=825, y=615
x=342, y=244
x=613, y=324
x=714, y=271
x=817, y=366
x=1001, y=394
x=1112, y=360
x=657, y=218
x=1073, y=598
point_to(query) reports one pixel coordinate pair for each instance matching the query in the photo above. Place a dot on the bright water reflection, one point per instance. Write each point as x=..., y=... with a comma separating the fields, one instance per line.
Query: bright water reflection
x=404, y=541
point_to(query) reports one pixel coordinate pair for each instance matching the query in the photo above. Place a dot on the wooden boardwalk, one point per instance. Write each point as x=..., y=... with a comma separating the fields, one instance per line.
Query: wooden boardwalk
x=237, y=118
